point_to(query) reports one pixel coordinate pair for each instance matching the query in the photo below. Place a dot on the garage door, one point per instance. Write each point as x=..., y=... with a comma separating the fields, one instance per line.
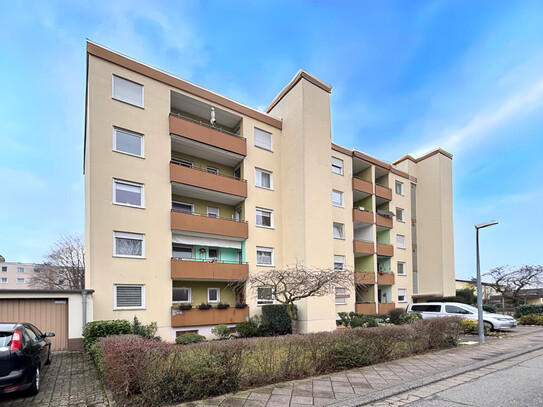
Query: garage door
x=49, y=315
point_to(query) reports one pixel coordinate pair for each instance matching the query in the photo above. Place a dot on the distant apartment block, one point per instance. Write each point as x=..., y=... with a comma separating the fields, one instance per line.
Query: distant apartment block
x=19, y=276
x=188, y=193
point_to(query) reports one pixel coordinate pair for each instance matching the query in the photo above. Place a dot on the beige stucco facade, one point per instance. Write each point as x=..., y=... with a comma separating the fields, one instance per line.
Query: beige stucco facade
x=177, y=197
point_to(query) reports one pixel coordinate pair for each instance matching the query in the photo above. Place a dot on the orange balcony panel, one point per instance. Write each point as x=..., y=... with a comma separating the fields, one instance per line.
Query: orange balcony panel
x=385, y=279
x=383, y=192
x=362, y=185
x=363, y=247
x=362, y=216
x=204, y=179
x=361, y=277
x=384, y=307
x=207, y=135
x=383, y=221
x=204, y=224
x=187, y=269
x=211, y=316
x=366, y=308
x=385, y=250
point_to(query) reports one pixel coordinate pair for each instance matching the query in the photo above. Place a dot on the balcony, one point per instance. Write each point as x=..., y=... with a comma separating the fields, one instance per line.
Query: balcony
x=363, y=247
x=383, y=192
x=193, y=222
x=361, y=277
x=362, y=216
x=204, y=133
x=200, y=178
x=385, y=250
x=383, y=221
x=213, y=316
x=384, y=307
x=195, y=269
x=362, y=185
x=384, y=278
x=366, y=308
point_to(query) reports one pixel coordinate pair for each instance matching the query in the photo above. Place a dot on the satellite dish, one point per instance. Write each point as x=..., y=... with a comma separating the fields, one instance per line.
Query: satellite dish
x=213, y=120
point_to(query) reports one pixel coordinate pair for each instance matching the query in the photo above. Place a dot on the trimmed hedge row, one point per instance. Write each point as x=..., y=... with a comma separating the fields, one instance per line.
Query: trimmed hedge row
x=146, y=372
x=531, y=319
x=529, y=309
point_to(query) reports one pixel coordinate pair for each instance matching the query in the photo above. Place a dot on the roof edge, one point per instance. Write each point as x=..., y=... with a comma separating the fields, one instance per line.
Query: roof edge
x=438, y=150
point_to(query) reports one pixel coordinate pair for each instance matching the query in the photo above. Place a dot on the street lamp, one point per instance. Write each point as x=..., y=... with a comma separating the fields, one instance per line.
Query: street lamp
x=480, y=322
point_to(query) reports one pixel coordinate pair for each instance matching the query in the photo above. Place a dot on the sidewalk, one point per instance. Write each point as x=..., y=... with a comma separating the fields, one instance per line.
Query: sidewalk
x=372, y=383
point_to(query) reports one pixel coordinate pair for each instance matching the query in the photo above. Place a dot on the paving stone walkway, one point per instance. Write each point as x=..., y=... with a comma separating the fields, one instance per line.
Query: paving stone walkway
x=71, y=380
x=370, y=384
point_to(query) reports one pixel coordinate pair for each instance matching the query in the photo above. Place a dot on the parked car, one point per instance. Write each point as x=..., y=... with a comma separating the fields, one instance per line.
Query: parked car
x=24, y=349
x=456, y=309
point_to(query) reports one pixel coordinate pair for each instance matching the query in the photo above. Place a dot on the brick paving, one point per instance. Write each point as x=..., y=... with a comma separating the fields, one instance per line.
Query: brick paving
x=71, y=380
x=393, y=383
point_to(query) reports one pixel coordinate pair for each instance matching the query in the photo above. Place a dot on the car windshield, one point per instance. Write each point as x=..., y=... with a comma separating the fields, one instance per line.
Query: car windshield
x=469, y=308
x=5, y=339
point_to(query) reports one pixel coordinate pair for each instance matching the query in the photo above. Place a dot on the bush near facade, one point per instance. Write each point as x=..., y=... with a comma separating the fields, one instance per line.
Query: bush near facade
x=247, y=329
x=490, y=308
x=529, y=309
x=531, y=319
x=275, y=320
x=356, y=320
x=100, y=329
x=221, y=331
x=144, y=372
x=189, y=337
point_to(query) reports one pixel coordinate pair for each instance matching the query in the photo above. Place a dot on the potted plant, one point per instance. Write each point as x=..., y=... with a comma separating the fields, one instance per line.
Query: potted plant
x=204, y=306
x=241, y=305
x=221, y=305
x=184, y=306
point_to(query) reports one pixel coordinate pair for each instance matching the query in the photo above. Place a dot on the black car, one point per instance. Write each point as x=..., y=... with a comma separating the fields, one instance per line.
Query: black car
x=23, y=352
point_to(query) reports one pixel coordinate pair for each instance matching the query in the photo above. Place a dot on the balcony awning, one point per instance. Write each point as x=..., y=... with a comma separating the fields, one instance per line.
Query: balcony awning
x=388, y=214
x=205, y=241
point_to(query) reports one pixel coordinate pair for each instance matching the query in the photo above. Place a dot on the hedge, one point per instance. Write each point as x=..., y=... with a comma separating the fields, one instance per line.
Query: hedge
x=531, y=319
x=529, y=309
x=276, y=320
x=100, y=329
x=145, y=372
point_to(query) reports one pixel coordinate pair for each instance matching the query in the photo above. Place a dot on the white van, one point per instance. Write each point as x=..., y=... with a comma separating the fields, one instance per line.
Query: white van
x=456, y=309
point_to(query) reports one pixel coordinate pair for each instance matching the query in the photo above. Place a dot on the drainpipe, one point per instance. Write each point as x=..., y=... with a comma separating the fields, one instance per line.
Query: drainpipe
x=84, y=304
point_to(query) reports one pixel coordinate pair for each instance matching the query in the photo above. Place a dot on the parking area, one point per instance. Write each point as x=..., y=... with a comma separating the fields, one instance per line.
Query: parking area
x=70, y=380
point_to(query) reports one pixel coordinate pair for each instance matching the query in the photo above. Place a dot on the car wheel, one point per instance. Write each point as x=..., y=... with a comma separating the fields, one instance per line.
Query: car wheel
x=35, y=387
x=48, y=361
x=488, y=326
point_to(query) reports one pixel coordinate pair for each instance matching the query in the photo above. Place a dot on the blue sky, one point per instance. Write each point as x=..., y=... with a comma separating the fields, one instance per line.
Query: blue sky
x=407, y=77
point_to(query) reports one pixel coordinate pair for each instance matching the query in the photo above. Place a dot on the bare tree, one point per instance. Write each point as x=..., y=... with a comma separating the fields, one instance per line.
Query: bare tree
x=509, y=281
x=297, y=282
x=64, y=265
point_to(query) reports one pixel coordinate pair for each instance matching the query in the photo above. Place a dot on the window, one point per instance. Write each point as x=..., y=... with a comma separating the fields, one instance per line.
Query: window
x=213, y=294
x=4, y=268
x=127, y=142
x=127, y=91
x=129, y=244
x=341, y=295
x=337, y=198
x=453, y=309
x=128, y=193
x=20, y=281
x=264, y=256
x=182, y=207
x=212, y=170
x=401, y=268
x=4, y=280
x=129, y=296
x=184, y=163
x=400, y=241
x=263, y=139
x=264, y=218
x=181, y=294
x=37, y=281
x=264, y=295
x=399, y=188
x=20, y=269
x=61, y=282
x=339, y=231
x=213, y=253
x=212, y=212
x=182, y=252
x=400, y=215
x=402, y=293
x=263, y=178
x=337, y=166
x=339, y=262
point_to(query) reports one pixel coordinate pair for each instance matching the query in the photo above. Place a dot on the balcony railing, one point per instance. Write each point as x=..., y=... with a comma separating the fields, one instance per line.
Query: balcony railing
x=384, y=278
x=362, y=216
x=364, y=278
x=363, y=185
x=384, y=307
x=208, y=269
x=212, y=316
x=194, y=222
x=385, y=250
x=204, y=124
x=384, y=221
x=383, y=192
x=366, y=308
x=362, y=246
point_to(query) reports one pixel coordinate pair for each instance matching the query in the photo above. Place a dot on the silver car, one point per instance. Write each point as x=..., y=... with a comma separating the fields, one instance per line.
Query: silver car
x=456, y=309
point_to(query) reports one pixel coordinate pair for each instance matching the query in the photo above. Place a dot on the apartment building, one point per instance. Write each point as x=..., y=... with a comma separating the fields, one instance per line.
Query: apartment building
x=17, y=276
x=188, y=193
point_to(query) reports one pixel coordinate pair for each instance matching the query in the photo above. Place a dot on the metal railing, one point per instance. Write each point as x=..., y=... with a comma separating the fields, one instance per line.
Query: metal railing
x=209, y=260
x=198, y=168
x=201, y=123
x=207, y=215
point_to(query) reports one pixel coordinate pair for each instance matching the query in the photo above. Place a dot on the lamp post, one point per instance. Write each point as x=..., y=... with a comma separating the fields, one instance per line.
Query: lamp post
x=480, y=322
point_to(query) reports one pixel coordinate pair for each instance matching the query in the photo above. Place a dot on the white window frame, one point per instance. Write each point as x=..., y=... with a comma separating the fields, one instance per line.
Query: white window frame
x=131, y=133
x=400, y=218
x=400, y=241
x=402, y=190
x=337, y=166
x=20, y=281
x=265, y=249
x=217, y=257
x=261, y=302
x=341, y=228
x=126, y=101
x=37, y=281
x=260, y=145
x=4, y=280
x=133, y=184
x=339, y=194
x=343, y=295
x=4, y=269
x=339, y=259
x=218, y=295
x=20, y=269
x=129, y=235
x=218, y=214
x=402, y=292
x=212, y=170
x=116, y=307
x=185, y=203
x=189, y=296
x=257, y=178
x=270, y=212
x=403, y=268
x=184, y=247
x=182, y=162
